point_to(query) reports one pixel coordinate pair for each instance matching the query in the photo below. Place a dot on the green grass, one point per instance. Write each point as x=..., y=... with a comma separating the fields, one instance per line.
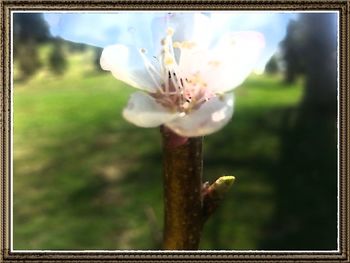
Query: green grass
x=84, y=178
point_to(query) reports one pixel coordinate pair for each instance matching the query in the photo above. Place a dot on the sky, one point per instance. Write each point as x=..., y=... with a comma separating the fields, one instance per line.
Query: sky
x=106, y=28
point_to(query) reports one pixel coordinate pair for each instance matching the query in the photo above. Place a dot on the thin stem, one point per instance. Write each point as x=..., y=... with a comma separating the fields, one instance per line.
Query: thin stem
x=183, y=164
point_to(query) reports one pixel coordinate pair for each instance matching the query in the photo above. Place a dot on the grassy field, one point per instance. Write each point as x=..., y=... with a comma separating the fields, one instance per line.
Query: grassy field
x=84, y=178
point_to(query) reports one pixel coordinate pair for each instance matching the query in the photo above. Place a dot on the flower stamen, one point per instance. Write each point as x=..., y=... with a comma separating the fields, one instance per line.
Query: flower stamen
x=151, y=70
x=178, y=92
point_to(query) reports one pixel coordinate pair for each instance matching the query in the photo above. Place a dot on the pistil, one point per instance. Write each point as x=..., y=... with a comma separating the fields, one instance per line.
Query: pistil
x=175, y=92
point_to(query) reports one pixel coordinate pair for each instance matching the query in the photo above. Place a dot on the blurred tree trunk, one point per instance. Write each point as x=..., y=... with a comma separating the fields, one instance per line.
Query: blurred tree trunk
x=290, y=53
x=318, y=48
x=306, y=176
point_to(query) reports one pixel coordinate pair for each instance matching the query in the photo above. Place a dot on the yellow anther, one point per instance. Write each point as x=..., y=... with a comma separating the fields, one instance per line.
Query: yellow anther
x=168, y=60
x=184, y=44
x=188, y=44
x=196, y=79
x=177, y=45
x=214, y=63
x=170, y=31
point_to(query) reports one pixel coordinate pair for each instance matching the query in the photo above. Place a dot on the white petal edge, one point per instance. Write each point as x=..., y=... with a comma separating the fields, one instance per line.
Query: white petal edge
x=127, y=65
x=201, y=32
x=187, y=27
x=232, y=60
x=209, y=118
x=142, y=110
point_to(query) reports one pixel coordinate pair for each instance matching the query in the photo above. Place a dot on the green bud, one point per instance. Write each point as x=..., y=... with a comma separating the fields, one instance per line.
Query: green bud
x=222, y=185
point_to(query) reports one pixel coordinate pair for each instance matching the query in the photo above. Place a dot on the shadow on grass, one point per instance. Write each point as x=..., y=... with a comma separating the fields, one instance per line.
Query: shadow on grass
x=305, y=180
x=285, y=195
x=98, y=183
x=92, y=192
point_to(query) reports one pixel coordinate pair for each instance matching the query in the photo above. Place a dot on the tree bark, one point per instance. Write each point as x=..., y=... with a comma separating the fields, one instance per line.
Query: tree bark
x=188, y=202
x=183, y=165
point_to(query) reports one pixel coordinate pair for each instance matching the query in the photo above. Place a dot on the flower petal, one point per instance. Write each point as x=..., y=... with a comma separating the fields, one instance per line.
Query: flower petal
x=200, y=33
x=193, y=60
x=273, y=25
x=127, y=65
x=190, y=27
x=142, y=110
x=209, y=118
x=102, y=28
x=232, y=60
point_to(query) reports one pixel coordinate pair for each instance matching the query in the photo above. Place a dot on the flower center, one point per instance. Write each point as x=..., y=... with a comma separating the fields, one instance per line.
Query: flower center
x=179, y=91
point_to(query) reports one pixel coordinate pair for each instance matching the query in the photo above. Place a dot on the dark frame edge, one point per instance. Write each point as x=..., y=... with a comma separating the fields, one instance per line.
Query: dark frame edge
x=5, y=132
x=344, y=132
x=279, y=5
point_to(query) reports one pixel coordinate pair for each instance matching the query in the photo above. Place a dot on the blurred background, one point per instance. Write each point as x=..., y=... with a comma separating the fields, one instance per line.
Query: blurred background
x=84, y=178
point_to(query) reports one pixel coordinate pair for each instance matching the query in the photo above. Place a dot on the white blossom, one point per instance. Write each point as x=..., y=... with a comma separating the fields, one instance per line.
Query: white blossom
x=186, y=75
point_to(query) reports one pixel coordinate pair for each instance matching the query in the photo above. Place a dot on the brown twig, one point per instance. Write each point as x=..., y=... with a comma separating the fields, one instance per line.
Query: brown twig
x=188, y=203
x=182, y=191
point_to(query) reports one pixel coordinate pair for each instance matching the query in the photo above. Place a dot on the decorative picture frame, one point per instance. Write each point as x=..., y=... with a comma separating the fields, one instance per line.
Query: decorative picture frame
x=342, y=254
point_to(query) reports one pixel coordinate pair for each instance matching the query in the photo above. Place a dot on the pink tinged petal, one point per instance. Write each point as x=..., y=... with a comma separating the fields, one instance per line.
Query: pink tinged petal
x=127, y=65
x=209, y=118
x=193, y=60
x=142, y=110
x=232, y=60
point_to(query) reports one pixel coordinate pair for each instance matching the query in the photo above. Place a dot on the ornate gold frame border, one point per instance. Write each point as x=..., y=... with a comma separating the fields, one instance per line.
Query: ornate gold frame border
x=342, y=255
